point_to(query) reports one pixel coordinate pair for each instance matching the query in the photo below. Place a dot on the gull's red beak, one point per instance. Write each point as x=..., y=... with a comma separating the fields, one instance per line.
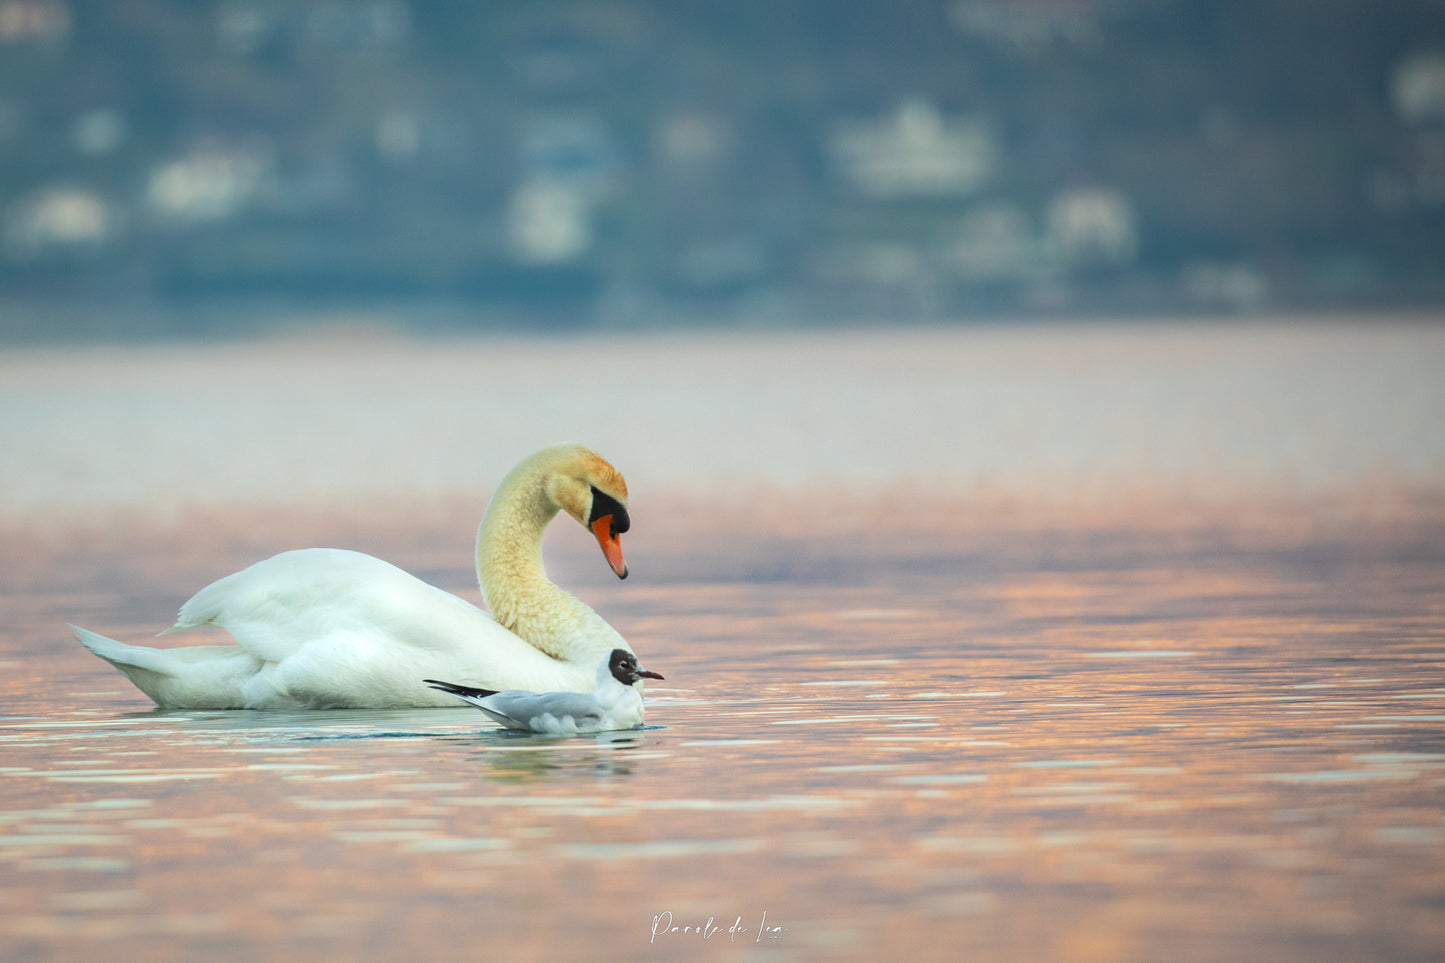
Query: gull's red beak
x=611, y=547
x=649, y=675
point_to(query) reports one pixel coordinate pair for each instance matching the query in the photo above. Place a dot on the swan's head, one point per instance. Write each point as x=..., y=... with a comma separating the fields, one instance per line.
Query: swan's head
x=582, y=484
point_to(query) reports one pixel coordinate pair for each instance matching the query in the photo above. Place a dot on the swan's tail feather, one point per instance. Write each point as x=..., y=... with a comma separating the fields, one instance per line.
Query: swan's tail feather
x=193, y=677
x=119, y=654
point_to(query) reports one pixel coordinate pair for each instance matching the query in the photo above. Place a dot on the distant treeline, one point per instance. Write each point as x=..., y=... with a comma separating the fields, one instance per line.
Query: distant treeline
x=677, y=160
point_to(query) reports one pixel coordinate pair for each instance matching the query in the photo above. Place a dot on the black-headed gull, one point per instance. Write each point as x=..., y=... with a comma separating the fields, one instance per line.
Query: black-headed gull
x=615, y=705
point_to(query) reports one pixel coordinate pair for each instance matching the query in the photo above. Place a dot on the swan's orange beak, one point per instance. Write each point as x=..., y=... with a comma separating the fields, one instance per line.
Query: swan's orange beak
x=611, y=547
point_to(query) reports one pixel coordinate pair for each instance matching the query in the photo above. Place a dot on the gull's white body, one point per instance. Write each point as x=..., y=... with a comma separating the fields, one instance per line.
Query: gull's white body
x=326, y=628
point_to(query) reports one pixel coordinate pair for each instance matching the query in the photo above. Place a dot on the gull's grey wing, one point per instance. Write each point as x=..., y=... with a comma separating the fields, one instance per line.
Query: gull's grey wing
x=502, y=719
x=523, y=707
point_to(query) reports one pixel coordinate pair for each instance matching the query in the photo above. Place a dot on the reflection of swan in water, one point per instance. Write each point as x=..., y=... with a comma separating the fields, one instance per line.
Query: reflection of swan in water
x=325, y=628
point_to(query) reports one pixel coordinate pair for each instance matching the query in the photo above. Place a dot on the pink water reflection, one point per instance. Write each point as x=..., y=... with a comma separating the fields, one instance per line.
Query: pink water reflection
x=1191, y=737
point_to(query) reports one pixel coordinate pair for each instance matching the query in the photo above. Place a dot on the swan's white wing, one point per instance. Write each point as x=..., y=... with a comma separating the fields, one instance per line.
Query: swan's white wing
x=335, y=628
x=276, y=606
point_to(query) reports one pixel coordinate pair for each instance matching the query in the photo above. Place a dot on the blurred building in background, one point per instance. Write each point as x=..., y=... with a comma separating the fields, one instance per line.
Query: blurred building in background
x=605, y=162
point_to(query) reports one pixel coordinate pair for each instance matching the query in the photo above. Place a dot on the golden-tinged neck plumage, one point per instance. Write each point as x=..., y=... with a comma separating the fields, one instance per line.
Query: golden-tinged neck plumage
x=509, y=551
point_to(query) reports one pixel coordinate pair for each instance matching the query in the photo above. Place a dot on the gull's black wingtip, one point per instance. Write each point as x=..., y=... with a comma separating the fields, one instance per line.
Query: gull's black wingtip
x=452, y=688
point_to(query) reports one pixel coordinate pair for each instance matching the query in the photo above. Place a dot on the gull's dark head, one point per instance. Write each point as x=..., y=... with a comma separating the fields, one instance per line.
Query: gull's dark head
x=625, y=669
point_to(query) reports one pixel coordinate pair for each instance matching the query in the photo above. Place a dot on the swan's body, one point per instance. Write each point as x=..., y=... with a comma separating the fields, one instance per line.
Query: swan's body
x=616, y=703
x=326, y=628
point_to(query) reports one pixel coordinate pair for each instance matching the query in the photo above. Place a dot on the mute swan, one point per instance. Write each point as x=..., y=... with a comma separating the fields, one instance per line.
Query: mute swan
x=615, y=705
x=326, y=628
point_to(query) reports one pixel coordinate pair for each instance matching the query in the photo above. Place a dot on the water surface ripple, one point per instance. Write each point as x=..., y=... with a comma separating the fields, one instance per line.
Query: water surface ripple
x=1023, y=745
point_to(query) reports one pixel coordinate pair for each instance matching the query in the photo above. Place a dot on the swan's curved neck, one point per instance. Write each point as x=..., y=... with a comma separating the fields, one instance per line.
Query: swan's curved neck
x=509, y=568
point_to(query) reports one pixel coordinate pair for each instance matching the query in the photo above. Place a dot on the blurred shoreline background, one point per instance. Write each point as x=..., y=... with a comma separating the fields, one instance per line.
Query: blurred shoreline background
x=217, y=169
x=375, y=251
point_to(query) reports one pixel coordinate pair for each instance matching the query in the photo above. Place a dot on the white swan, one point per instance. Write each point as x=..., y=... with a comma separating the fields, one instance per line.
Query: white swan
x=326, y=628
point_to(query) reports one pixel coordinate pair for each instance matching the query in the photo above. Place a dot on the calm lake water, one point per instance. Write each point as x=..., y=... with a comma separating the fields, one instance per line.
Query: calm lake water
x=897, y=722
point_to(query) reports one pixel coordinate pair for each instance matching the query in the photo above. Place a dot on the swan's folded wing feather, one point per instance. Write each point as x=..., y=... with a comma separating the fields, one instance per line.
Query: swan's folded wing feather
x=280, y=604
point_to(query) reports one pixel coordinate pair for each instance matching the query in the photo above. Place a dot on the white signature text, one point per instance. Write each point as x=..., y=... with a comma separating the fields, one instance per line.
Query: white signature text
x=663, y=924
